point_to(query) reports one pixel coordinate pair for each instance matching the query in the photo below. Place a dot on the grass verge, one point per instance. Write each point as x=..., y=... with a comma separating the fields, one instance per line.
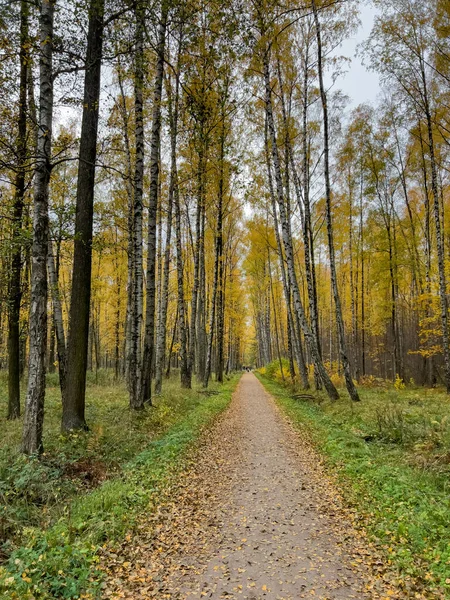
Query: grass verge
x=404, y=503
x=60, y=562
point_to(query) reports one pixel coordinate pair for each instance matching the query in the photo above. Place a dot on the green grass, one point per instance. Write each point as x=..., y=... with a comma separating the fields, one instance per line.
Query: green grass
x=57, y=522
x=391, y=453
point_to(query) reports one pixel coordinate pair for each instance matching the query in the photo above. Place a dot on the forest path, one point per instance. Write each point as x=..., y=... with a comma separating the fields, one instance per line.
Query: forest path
x=253, y=517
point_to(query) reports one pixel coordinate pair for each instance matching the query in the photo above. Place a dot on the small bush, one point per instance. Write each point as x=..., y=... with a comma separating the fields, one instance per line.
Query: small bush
x=392, y=426
x=399, y=384
x=337, y=380
x=370, y=381
x=273, y=371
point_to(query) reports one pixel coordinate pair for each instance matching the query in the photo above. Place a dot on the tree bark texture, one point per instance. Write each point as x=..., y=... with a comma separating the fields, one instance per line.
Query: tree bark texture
x=34, y=406
x=149, y=336
x=77, y=352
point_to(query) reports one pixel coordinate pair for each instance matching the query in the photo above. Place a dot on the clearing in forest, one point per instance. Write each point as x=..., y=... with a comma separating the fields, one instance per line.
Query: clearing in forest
x=254, y=517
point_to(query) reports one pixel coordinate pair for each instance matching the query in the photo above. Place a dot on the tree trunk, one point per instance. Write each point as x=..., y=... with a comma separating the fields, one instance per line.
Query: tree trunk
x=201, y=310
x=439, y=240
x=363, y=282
x=149, y=337
x=136, y=312
x=307, y=230
x=337, y=301
x=129, y=319
x=310, y=339
x=57, y=319
x=439, y=228
x=77, y=351
x=118, y=313
x=34, y=406
x=297, y=341
x=172, y=342
x=15, y=289
x=277, y=338
x=185, y=372
x=220, y=306
x=218, y=249
x=353, y=287
x=162, y=329
x=197, y=249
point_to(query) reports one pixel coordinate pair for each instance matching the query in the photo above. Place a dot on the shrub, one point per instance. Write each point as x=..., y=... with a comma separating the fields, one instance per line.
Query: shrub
x=399, y=384
x=391, y=422
x=273, y=370
x=370, y=381
x=337, y=380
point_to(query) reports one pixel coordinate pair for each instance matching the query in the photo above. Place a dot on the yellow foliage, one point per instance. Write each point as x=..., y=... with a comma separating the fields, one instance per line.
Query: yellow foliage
x=399, y=383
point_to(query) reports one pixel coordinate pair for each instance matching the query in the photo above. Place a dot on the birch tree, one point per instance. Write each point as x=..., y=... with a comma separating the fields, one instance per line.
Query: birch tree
x=149, y=336
x=326, y=135
x=15, y=291
x=34, y=405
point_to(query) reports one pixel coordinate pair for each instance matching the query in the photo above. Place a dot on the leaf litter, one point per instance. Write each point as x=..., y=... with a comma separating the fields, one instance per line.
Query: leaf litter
x=254, y=515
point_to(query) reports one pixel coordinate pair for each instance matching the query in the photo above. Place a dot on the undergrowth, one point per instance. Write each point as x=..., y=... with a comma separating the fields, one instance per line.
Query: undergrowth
x=54, y=521
x=391, y=453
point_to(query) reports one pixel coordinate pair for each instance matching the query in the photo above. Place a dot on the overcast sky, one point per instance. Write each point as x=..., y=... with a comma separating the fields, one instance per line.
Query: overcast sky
x=358, y=83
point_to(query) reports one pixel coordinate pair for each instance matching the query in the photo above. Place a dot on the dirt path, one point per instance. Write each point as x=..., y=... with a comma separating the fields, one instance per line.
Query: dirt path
x=254, y=517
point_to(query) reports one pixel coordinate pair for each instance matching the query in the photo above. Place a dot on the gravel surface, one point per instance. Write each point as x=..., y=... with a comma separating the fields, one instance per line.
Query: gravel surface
x=254, y=516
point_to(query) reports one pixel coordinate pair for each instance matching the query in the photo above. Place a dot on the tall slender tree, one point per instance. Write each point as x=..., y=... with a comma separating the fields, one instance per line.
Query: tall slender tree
x=73, y=416
x=155, y=140
x=34, y=406
x=311, y=341
x=326, y=153
x=15, y=287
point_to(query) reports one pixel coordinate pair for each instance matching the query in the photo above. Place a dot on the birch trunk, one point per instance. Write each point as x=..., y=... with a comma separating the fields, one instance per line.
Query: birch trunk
x=309, y=337
x=129, y=319
x=275, y=317
x=337, y=301
x=218, y=252
x=162, y=329
x=353, y=287
x=118, y=311
x=145, y=391
x=308, y=239
x=363, y=284
x=439, y=241
x=287, y=292
x=197, y=253
x=220, y=307
x=172, y=342
x=201, y=311
x=136, y=400
x=34, y=405
x=185, y=372
x=15, y=288
x=57, y=318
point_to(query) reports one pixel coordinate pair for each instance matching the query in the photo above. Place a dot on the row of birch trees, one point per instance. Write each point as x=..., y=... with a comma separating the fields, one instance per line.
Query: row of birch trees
x=123, y=246
x=184, y=188
x=352, y=212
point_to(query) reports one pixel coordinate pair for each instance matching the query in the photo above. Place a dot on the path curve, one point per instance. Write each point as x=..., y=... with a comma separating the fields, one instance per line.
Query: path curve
x=254, y=517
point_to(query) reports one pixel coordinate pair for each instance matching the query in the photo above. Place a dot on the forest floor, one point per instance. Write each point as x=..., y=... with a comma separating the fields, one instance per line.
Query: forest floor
x=390, y=457
x=254, y=516
x=88, y=487
x=36, y=493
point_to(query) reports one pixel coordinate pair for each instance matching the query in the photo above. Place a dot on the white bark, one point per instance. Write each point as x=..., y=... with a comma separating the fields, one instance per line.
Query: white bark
x=57, y=318
x=309, y=337
x=34, y=405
